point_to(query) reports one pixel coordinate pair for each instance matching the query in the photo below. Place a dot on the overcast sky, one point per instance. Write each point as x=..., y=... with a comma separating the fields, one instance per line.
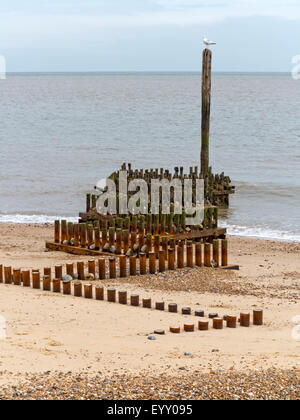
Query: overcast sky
x=148, y=35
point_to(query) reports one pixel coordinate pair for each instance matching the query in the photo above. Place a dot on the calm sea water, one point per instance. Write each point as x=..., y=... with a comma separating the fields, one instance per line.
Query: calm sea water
x=60, y=133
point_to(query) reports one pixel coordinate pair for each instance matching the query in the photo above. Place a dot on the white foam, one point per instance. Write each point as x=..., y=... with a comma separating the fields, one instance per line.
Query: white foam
x=34, y=218
x=234, y=230
x=260, y=232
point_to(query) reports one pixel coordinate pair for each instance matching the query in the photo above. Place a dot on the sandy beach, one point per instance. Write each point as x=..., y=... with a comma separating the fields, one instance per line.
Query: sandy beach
x=52, y=338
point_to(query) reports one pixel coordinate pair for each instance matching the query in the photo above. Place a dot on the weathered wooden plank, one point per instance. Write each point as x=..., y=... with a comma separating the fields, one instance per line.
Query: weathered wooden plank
x=205, y=233
x=75, y=250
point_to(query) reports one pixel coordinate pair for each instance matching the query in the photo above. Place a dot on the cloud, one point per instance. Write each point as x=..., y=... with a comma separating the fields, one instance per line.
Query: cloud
x=97, y=16
x=288, y=9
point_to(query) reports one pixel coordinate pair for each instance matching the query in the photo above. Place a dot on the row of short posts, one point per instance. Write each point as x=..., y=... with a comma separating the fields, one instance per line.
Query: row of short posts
x=89, y=291
x=123, y=232
x=162, y=245
x=166, y=258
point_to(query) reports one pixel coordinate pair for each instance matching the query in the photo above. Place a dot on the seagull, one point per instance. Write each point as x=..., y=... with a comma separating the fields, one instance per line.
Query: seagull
x=207, y=42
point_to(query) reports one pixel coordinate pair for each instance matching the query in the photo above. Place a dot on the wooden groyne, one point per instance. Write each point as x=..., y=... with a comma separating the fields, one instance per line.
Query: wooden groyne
x=139, y=240
x=69, y=286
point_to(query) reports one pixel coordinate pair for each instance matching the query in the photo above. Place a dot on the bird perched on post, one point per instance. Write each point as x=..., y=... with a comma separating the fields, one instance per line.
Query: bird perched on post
x=207, y=42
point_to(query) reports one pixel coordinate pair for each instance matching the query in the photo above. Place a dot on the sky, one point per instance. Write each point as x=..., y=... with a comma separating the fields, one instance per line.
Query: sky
x=148, y=35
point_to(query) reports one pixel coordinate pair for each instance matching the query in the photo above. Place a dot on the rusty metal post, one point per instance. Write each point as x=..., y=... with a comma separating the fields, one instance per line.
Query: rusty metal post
x=199, y=254
x=156, y=245
x=99, y=292
x=47, y=272
x=125, y=241
x=224, y=253
x=152, y=263
x=165, y=246
x=92, y=267
x=123, y=297
x=7, y=275
x=216, y=252
x=97, y=237
x=80, y=270
x=66, y=287
x=231, y=321
x=132, y=261
x=58, y=271
x=64, y=231
x=46, y=283
x=143, y=264
x=134, y=300
x=258, y=317
x=17, y=277
x=78, y=289
x=149, y=243
x=171, y=259
x=57, y=231
x=102, y=268
x=56, y=285
x=189, y=255
x=70, y=270
x=123, y=266
x=203, y=325
x=207, y=255
x=147, y=303
x=189, y=327
x=180, y=256
x=162, y=261
x=112, y=268
x=76, y=234
x=26, y=278
x=88, y=291
x=83, y=235
x=111, y=295
x=36, y=280
x=245, y=319
x=218, y=323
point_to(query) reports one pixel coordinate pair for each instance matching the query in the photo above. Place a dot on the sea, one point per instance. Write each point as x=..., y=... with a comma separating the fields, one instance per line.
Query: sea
x=62, y=132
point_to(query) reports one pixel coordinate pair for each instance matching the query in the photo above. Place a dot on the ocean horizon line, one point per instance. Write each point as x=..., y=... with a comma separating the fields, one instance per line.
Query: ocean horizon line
x=146, y=72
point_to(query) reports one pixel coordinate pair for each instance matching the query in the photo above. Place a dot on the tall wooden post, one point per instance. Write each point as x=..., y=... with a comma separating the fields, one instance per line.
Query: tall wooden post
x=206, y=96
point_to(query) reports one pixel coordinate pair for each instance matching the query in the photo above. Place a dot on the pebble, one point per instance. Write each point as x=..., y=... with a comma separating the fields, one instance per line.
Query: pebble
x=151, y=337
x=144, y=249
x=106, y=247
x=67, y=278
x=159, y=332
x=204, y=280
x=272, y=384
x=200, y=314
